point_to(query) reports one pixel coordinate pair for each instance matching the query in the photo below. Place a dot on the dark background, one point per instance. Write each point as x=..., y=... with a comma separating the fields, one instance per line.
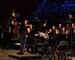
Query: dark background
x=55, y=11
x=24, y=7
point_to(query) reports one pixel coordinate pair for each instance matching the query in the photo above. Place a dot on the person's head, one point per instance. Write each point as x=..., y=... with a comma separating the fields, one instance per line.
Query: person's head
x=13, y=13
x=68, y=31
x=73, y=25
x=70, y=16
x=50, y=30
x=53, y=27
x=26, y=21
x=28, y=29
x=57, y=30
x=63, y=29
x=60, y=25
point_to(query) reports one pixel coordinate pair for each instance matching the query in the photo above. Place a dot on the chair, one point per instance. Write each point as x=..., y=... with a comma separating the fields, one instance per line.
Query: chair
x=61, y=50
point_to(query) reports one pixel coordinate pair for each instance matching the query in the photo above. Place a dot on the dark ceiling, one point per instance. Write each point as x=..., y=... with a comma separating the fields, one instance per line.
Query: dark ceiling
x=24, y=7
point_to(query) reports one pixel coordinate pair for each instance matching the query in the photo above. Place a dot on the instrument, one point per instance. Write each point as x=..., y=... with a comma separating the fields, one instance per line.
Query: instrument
x=44, y=35
x=36, y=34
x=14, y=24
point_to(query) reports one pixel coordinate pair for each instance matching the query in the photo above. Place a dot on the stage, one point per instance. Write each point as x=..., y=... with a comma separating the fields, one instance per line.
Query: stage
x=11, y=55
x=25, y=56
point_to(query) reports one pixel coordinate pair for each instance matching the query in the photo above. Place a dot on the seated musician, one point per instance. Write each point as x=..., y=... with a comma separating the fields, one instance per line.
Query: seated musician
x=54, y=41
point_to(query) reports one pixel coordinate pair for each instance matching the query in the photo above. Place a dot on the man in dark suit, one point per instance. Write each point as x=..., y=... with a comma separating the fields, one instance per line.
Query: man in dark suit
x=54, y=41
x=25, y=31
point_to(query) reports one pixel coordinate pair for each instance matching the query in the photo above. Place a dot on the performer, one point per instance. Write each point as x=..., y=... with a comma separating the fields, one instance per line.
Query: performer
x=71, y=19
x=13, y=15
x=29, y=38
x=54, y=41
x=25, y=36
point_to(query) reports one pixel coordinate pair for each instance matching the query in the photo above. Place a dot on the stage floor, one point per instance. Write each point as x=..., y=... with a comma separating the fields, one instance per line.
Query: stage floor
x=25, y=56
x=4, y=55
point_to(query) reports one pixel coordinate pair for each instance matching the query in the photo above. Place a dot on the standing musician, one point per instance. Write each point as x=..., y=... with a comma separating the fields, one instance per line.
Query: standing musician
x=71, y=19
x=14, y=14
x=13, y=23
x=25, y=30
